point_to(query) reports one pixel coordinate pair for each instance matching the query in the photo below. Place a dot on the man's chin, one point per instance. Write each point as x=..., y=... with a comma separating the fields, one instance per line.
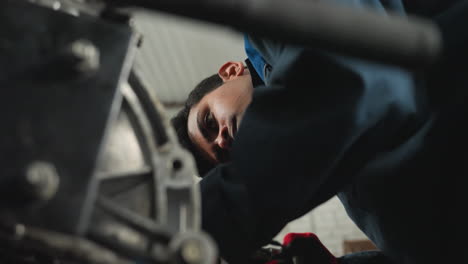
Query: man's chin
x=224, y=157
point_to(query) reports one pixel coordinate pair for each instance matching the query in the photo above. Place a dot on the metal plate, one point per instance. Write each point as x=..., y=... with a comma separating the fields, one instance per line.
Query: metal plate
x=52, y=111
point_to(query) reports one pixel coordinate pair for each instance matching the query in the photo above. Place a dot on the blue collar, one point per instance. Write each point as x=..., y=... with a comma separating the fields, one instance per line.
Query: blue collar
x=255, y=58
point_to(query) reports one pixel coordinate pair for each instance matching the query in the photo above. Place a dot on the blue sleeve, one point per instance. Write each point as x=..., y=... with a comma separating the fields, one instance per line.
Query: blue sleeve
x=303, y=138
x=255, y=57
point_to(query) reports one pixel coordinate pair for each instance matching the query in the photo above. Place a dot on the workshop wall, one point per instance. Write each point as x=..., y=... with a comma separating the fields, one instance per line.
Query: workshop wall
x=177, y=53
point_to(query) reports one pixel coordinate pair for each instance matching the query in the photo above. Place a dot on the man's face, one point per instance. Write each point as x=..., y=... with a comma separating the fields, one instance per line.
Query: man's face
x=213, y=122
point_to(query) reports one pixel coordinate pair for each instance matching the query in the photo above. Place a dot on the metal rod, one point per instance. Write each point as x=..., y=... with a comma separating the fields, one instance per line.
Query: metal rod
x=362, y=32
x=155, y=118
x=64, y=246
x=133, y=220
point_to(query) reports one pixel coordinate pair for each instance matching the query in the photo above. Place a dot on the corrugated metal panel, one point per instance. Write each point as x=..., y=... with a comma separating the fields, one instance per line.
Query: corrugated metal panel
x=177, y=53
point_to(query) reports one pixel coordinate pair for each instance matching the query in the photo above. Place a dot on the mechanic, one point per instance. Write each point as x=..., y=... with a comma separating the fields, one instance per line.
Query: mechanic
x=384, y=139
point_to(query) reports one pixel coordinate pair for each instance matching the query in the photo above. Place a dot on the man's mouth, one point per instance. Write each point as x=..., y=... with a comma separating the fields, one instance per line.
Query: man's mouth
x=223, y=155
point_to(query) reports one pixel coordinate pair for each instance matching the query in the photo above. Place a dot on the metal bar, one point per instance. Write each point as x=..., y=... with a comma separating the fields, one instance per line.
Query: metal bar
x=361, y=32
x=133, y=220
x=153, y=115
x=140, y=123
x=61, y=245
x=123, y=249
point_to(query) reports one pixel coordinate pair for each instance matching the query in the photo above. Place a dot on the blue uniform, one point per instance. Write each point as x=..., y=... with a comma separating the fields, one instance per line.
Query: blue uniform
x=376, y=135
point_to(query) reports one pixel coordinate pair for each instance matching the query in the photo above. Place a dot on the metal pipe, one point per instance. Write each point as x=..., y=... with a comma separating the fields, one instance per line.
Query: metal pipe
x=362, y=32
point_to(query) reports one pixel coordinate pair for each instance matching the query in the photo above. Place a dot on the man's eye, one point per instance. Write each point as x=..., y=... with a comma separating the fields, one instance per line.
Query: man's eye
x=210, y=122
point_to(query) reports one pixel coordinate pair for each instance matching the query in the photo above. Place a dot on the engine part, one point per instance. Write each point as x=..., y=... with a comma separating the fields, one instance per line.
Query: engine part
x=91, y=169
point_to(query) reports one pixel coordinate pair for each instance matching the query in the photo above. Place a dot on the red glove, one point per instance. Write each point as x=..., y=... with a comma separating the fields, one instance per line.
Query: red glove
x=307, y=247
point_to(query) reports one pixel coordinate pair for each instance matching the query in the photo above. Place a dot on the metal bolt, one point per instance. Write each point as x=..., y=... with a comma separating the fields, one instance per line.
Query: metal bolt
x=88, y=55
x=56, y=5
x=43, y=178
x=193, y=248
x=191, y=252
x=20, y=231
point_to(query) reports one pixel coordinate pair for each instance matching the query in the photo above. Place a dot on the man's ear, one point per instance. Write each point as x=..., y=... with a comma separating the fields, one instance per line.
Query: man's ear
x=231, y=70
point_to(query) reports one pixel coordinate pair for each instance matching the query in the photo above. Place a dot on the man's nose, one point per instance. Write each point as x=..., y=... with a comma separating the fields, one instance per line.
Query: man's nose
x=223, y=140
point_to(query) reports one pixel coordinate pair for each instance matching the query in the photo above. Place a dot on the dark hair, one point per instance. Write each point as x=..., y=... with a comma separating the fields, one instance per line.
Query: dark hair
x=180, y=120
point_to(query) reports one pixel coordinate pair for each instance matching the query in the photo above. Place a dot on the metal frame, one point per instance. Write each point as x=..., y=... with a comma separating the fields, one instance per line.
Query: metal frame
x=95, y=236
